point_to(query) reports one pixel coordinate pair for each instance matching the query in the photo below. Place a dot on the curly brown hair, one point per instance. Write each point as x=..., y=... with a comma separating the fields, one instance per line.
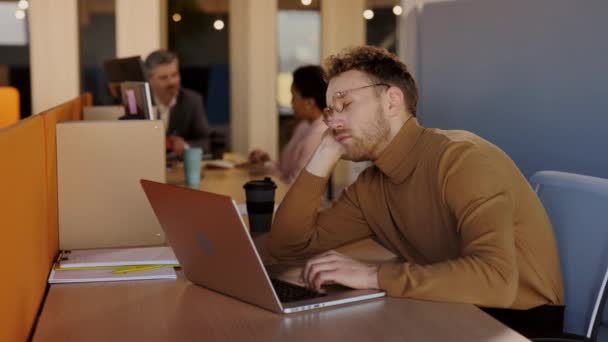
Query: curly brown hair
x=380, y=65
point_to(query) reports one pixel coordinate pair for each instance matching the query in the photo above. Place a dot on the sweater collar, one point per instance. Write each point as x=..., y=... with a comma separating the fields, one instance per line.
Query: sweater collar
x=400, y=157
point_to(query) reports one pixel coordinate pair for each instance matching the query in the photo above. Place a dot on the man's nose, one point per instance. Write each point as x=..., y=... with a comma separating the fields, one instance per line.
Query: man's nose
x=336, y=122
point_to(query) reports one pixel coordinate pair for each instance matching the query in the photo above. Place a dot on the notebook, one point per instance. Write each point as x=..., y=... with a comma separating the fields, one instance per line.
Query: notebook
x=117, y=257
x=103, y=275
x=215, y=250
x=99, y=164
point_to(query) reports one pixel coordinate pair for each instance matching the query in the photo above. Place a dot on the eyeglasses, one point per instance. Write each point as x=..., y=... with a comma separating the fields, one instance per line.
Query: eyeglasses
x=339, y=104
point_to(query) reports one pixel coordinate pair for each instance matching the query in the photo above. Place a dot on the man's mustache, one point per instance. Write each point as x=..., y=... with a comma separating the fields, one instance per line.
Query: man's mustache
x=337, y=132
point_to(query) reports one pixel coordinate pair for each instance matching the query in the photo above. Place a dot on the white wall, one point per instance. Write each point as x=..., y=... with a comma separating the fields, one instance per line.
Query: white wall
x=253, y=76
x=140, y=27
x=54, y=52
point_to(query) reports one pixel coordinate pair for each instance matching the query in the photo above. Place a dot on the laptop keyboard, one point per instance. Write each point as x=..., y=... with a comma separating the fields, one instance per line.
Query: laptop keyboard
x=288, y=292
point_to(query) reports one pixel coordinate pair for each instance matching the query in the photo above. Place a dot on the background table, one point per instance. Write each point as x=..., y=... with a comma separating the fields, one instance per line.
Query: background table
x=227, y=181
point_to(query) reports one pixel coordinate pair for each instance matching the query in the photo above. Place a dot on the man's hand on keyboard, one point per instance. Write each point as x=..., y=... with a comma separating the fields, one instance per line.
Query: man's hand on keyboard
x=333, y=267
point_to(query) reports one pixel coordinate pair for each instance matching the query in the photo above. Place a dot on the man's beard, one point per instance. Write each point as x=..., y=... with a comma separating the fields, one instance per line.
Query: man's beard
x=374, y=138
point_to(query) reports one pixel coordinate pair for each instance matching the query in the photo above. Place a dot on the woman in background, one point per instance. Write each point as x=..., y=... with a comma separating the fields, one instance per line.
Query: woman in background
x=308, y=101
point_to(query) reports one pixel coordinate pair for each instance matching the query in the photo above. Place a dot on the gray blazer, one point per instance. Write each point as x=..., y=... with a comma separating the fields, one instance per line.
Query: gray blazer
x=189, y=121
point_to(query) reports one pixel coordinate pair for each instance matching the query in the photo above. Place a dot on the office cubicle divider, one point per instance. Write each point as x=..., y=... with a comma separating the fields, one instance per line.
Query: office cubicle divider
x=28, y=215
x=70, y=111
x=23, y=225
x=99, y=166
x=530, y=76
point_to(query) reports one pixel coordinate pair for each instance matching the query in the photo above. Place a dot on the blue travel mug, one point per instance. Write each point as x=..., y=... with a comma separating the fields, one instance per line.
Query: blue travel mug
x=193, y=157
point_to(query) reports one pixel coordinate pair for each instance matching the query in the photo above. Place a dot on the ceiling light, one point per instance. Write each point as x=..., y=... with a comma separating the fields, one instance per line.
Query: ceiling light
x=306, y=2
x=176, y=17
x=23, y=4
x=218, y=24
x=368, y=14
x=20, y=14
x=397, y=10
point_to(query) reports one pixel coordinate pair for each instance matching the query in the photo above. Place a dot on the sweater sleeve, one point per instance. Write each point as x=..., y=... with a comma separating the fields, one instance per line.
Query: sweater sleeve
x=475, y=188
x=300, y=229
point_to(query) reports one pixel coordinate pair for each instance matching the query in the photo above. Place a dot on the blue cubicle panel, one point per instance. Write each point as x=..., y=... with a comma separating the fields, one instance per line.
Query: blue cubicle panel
x=529, y=75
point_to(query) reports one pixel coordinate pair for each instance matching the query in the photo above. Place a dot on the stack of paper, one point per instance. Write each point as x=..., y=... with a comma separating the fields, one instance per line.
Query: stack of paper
x=117, y=257
x=218, y=164
x=108, y=274
x=114, y=264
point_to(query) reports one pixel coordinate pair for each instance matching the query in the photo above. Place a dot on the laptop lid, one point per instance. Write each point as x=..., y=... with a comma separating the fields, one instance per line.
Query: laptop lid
x=215, y=250
x=99, y=113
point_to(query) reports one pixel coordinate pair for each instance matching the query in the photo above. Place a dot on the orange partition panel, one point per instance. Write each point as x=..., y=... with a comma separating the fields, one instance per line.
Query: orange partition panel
x=69, y=111
x=23, y=225
x=9, y=106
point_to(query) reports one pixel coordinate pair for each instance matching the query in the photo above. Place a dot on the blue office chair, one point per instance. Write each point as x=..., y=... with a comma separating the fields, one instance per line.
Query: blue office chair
x=578, y=208
x=603, y=334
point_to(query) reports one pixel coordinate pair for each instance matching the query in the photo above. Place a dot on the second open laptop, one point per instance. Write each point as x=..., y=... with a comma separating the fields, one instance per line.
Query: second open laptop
x=214, y=248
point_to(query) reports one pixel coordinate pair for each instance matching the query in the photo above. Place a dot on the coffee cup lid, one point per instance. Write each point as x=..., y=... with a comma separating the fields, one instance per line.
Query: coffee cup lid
x=265, y=184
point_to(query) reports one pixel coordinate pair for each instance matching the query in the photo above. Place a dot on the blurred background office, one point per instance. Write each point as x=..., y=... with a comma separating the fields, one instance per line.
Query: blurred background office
x=526, y=74
x=248, y=102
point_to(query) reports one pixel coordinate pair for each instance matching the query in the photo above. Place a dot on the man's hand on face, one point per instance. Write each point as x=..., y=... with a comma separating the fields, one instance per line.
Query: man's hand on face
x=326, y=155
x=176, y=144
x=330, y=147
x=332, y=267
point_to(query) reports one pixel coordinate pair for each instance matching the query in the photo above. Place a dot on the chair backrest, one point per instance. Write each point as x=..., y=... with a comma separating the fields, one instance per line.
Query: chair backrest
x=9, y=106
x=578, y=208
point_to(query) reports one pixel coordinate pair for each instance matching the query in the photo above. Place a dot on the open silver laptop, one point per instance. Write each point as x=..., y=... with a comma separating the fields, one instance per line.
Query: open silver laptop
x=215, y=250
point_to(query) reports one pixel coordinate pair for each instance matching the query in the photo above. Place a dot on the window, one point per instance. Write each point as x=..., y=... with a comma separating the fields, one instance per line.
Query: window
x=97, y=23
x=199, y=35
x=381, y=23
x=15, y=51
x=299, y=35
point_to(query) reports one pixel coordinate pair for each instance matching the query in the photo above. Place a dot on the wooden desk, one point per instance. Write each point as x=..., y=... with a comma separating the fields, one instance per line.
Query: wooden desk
x=165, y=310
x=168, y=310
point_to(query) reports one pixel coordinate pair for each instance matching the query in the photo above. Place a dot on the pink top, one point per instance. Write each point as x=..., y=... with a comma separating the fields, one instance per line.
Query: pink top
x=294, y=157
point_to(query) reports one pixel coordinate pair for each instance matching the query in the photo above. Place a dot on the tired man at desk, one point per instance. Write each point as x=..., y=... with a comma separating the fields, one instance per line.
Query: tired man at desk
x=464, y=221
x=181, y=109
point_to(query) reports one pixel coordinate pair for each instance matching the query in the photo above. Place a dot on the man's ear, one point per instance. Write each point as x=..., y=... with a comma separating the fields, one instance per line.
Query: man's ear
x=396, y=100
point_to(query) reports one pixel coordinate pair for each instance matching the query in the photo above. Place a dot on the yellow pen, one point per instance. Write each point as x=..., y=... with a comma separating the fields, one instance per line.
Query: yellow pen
x=139, y=268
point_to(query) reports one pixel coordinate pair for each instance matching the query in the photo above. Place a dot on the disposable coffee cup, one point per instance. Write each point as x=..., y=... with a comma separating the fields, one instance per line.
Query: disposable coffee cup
x=260, y=204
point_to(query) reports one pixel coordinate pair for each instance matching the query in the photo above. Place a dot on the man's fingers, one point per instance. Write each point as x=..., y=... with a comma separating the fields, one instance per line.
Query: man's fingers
x=310, y=266
x=329, y=256
x=319, y=268
x=324, y=277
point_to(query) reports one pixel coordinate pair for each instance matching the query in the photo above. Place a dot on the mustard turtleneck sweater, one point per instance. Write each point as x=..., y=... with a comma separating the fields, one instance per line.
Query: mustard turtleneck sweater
x=455, y=208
